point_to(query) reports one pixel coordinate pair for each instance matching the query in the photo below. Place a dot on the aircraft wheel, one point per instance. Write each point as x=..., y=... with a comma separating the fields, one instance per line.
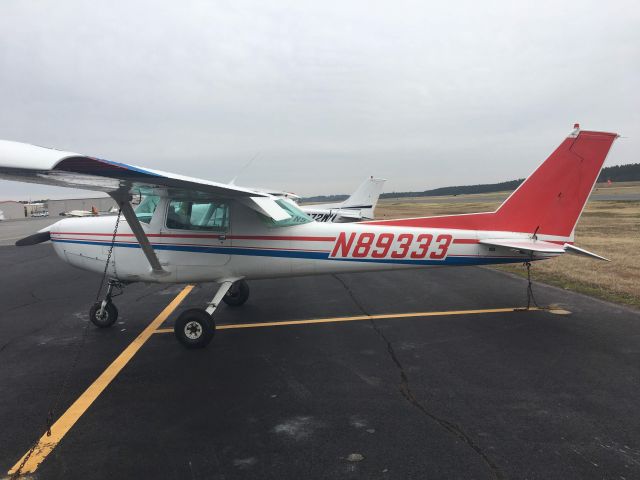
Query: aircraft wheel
x=237, y=295
x=194, y=328
x=108, y=317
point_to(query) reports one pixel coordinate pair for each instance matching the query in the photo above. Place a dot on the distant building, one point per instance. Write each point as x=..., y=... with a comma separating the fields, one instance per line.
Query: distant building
x=35, y=209
x=11, y=210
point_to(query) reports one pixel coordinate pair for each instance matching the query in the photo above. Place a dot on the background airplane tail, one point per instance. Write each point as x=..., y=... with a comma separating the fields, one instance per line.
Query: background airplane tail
x=549, y=201
x=365, y=197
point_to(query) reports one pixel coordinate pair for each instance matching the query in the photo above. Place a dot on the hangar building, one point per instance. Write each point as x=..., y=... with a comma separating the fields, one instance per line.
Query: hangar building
x=10, y=210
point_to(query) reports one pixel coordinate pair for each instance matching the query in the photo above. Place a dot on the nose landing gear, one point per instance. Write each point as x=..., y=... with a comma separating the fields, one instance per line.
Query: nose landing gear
x=104, y=314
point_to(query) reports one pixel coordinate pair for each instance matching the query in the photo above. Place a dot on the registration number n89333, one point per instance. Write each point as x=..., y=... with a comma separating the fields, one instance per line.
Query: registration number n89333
x=391, y=246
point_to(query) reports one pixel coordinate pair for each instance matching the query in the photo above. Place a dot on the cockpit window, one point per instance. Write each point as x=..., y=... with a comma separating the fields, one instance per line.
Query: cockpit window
x=198, y=215
x=298, y=217
x=146, y=208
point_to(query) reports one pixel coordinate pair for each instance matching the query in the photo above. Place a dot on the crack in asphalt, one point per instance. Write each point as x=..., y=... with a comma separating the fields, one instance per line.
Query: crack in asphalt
x=407, y=393
x=37, y=299
x=33, y=295
x=19, y=337
x=28, y=304
x=150, y=291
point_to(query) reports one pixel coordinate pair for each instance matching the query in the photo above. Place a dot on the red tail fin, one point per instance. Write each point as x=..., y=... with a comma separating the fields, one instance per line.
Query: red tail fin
x=549, y=202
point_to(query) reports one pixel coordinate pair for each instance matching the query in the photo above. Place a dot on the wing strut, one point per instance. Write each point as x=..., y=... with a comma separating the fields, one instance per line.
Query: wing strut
x=138, y=231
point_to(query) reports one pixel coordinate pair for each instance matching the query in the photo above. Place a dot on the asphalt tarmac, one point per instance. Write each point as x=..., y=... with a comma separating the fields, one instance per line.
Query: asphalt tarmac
x=12, y=230
x=473, y=394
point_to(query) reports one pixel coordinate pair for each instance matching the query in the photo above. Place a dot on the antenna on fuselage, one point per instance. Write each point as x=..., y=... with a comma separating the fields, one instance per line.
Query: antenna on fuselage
x=248, y=164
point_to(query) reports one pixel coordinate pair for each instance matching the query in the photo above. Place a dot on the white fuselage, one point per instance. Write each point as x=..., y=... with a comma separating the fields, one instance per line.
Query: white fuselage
x=249, y=248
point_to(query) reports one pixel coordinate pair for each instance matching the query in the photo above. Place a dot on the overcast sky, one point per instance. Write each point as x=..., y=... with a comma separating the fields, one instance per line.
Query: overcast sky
x=325, y=93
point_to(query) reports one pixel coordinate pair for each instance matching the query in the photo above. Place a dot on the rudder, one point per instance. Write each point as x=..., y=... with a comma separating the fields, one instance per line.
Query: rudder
x=549, y=201
x=552, y=198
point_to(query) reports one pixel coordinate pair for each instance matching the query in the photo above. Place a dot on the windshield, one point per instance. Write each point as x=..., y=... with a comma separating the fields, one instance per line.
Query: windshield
x=148, y=205
x=298, y=217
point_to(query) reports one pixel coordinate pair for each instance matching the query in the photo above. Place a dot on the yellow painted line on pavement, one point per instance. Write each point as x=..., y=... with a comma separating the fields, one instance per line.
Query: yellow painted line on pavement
x=359, y=318
x=60, y=428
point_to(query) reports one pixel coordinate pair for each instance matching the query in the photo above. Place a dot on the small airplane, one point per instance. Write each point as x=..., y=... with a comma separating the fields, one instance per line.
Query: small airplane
x=191, y=230
x=88, y=213
x=358, y=207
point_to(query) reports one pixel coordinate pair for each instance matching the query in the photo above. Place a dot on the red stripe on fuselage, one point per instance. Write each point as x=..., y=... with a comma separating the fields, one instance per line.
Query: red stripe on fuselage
x=134, y=242
x=217, y=235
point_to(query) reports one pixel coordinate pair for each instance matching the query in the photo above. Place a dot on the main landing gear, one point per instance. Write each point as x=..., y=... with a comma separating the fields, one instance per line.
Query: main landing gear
x=237, y=294
x=195, y=327
x=104, y=314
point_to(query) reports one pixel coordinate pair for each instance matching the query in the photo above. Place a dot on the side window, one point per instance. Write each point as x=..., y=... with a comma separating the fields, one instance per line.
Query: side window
x=146, y=208
x=190, y=215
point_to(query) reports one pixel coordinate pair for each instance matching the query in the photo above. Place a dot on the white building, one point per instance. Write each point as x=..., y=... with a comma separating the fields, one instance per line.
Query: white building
x=10, y=210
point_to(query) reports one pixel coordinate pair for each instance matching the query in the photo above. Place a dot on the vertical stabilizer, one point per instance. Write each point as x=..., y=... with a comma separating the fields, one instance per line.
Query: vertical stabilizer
x=552, y=198
x=365, y=197
x=549, y=202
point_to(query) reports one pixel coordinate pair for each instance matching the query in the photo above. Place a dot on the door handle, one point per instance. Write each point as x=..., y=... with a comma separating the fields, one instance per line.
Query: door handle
x=222, y=236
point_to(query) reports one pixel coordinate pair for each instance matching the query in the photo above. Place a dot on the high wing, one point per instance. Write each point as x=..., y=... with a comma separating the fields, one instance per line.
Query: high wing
x=533, y=246
x=29, y=163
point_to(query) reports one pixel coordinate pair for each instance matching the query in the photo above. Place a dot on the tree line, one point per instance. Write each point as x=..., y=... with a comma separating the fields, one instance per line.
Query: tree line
x=617, y=173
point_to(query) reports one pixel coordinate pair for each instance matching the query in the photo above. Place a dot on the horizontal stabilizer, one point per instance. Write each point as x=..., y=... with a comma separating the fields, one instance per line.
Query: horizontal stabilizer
x=539, y=246
x=355, y=215
x=525, y=245
x=580, y=251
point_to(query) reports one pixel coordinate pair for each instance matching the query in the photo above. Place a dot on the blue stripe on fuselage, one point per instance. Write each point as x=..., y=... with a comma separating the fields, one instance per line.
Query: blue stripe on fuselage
x=470, y=260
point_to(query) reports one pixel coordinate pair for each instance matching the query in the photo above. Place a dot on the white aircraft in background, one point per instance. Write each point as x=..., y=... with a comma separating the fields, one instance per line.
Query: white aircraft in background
x=192, y=230
x=88, y=213
x=358, y=207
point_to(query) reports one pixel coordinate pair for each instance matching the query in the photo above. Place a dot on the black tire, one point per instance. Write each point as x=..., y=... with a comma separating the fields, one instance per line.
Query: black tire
x=194, y=328
x=237, y=295
x=109, y=315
